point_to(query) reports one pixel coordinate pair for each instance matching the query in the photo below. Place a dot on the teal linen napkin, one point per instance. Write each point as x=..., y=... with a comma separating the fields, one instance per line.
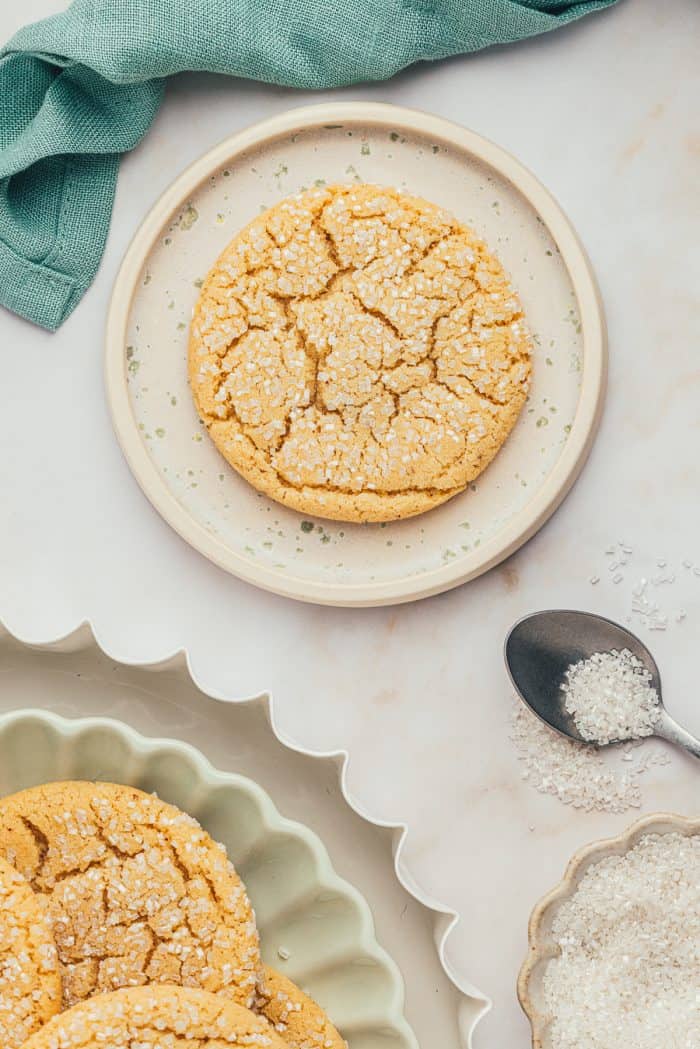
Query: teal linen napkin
x=80, y=88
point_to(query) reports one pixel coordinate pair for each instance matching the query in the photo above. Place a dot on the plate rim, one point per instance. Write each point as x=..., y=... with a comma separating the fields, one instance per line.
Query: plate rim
x=524, y=524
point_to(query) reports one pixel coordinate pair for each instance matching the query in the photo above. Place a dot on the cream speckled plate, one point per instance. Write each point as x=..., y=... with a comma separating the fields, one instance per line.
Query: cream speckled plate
x=168, y=448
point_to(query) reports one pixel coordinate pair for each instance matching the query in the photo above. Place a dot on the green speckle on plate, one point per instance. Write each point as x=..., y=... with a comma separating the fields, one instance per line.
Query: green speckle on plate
x=189, y=217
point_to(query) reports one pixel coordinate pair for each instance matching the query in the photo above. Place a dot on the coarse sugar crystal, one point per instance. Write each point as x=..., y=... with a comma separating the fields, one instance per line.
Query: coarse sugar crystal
x=611, y=697
x=572, y=772
x=628, y=971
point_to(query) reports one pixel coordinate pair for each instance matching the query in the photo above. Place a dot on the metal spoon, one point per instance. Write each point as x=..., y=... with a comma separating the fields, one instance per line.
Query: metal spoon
x=541, y=647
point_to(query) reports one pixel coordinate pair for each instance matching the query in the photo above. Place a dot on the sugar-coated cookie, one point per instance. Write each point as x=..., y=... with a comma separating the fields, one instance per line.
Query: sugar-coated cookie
x=137, y=892
x=30, y=982
x=157, y=1017
x=298, y=1019
x=357, y=353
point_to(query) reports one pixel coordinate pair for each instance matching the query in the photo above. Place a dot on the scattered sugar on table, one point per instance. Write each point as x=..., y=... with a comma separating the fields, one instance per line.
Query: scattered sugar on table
x=574, y=773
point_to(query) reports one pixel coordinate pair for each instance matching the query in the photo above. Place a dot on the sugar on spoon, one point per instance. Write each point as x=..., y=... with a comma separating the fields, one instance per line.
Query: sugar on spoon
x=540, y=649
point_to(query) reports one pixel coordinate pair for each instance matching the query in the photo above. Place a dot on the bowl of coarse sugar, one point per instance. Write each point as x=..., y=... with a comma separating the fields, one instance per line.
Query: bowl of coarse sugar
x=614, y=949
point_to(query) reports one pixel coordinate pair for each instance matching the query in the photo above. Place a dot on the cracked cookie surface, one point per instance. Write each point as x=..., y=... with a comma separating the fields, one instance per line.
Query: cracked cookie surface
x=30, y=983
x=300, y=1022
x=358, y=354
x=162, y=1017
x=136, y=891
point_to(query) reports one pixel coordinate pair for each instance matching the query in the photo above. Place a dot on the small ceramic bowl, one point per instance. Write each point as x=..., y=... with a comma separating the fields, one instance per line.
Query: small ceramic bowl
x=541, y=944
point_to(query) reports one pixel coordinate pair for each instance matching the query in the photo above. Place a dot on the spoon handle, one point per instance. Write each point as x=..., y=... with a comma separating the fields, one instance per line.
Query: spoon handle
x=668, y=729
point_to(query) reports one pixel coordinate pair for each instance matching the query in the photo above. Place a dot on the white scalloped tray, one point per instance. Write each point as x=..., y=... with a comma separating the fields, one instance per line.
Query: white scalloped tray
x=246, y=770
x=168, y=448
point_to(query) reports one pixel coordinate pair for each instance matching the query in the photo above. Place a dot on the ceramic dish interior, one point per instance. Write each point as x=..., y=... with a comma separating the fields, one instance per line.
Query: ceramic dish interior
x=168, y=447
x=541, y=946
x=314, y=926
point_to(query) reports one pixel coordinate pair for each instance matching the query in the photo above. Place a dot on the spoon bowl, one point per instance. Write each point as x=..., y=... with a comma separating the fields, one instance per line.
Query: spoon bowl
x=541, y=647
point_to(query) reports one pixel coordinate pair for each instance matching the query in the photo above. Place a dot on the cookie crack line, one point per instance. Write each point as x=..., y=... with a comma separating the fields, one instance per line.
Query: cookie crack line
x=102, y=837
x=331, y=247
x=358, y=392
x=41, y=841
x=476, y=391
x=375, y=312
x=395, y=493
x=75, y=872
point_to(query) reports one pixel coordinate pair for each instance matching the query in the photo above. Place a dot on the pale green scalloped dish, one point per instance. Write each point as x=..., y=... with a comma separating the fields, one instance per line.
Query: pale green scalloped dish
x=314, y=926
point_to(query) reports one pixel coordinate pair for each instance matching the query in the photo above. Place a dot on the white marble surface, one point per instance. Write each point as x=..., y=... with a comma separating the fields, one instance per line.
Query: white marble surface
x=606, y=113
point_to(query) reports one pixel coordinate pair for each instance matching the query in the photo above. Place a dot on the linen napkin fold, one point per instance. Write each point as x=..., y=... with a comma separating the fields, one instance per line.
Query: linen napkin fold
x=80, y=88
